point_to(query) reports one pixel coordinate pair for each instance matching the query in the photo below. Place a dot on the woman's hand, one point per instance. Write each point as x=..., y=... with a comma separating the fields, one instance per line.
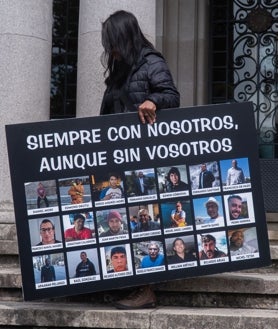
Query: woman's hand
x=146, y=112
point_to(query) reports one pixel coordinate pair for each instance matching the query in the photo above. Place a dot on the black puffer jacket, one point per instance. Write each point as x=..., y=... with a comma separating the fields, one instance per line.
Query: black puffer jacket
x=150, y=79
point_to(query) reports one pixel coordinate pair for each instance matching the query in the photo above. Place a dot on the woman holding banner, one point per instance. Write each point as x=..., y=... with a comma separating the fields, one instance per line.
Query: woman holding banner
x=137, y=80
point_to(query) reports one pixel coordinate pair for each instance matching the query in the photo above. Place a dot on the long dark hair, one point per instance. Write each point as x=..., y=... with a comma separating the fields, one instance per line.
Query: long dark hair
x=122, y=40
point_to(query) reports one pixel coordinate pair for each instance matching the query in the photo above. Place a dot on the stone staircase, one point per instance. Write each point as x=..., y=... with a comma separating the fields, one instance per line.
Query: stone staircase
x=246, y=299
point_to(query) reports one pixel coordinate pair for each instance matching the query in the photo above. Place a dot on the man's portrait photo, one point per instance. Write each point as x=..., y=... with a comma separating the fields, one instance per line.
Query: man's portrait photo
x=180, y=250
x=74, y=192
x=173, y=179
x=176, y=215
x=212, y=246
x=208, y=212
x=116, y=259
x=239, y=208
x=112, y=223
x=149, y=254
x=147, y=220
x=41, y=197
x=79, y=226
x=108, y=188
x=83, y=263
x=205, y=176
x=141, y=183
x=235, y=173
x=45, y=232
x=49, y=268
x=243, y=241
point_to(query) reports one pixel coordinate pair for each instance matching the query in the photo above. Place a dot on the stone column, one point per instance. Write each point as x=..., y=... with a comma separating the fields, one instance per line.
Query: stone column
x=90, y=80
x=25, y=67
x=185, y=46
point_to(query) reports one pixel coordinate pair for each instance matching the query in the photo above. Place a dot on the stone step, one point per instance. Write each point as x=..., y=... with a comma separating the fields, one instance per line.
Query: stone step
x=7, y=215
x=8, y=239
x=8, y=232
x=9, y=260
x=84, y=315
x=252, y=289
x=8, y=247
x=10, y=277
x=234, y=282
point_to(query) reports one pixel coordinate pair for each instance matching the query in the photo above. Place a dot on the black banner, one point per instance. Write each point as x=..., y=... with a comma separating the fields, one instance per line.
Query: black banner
x=107, y=202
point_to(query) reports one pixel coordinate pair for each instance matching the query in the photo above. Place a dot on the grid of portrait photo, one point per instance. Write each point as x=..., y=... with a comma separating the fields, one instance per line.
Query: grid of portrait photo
x=134, y=223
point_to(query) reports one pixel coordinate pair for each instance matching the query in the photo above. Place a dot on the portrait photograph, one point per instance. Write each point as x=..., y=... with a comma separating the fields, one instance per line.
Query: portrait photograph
x=75, y=193
x=205, y=177
x=235, y=174
x=83, y=265
x=41, y=197
x=108, y=188
x=116, y=261
x=49, y=270
x=112, y=224
x=243, y=243
x=141, y=185
x=45, y=233
x=239, y=208
x=181, y=252
x=176, y=216
x=172, y=181
x=208, y=212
